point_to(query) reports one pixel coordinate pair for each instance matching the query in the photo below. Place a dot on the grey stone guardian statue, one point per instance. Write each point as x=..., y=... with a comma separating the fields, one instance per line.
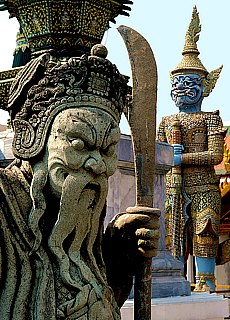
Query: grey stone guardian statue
x=56, y=262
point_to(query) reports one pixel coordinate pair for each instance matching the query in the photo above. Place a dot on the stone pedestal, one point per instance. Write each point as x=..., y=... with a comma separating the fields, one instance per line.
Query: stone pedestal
x=167, y=277
x=167, y=272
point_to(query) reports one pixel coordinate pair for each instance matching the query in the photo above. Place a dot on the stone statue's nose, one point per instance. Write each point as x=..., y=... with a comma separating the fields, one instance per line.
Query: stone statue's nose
x=95, y=165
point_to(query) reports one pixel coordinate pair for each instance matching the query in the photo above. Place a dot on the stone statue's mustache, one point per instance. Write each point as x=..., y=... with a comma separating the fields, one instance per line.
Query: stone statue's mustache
x=81, y=204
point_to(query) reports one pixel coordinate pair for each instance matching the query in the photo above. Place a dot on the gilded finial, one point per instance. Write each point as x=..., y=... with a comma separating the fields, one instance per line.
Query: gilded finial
x=192, y=34
x=190, y=62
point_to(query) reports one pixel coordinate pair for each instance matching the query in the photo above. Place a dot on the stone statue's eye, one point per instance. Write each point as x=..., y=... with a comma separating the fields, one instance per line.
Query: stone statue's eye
x=110, y=150
x=77, y=144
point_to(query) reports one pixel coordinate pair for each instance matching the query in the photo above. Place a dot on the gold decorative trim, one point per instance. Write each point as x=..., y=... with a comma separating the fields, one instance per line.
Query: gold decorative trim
x=224, y=187
x=190, y=62
x=6, y=79
x=226, y=157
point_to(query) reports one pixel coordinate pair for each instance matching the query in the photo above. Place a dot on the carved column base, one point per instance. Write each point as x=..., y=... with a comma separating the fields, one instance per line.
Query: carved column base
x=167, y=280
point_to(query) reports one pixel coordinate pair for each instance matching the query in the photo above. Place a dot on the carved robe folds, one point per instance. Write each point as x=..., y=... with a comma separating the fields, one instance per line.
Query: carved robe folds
x=30, y=285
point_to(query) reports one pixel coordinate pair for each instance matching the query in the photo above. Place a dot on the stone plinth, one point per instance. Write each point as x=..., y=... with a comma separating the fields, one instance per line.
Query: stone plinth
x=198, y=306
x=167, y=280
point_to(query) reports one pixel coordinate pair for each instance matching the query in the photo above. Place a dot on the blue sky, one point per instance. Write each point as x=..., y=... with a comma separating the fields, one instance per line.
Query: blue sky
x=163, y=23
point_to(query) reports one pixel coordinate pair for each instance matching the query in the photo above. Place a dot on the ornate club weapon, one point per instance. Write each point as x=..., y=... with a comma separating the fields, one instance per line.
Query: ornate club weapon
x=142, y=121
x=176, y=195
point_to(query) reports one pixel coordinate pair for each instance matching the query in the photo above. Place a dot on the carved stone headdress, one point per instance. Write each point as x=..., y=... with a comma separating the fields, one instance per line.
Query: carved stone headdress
x=190, y=62
x=62, y=73
x=44, y=88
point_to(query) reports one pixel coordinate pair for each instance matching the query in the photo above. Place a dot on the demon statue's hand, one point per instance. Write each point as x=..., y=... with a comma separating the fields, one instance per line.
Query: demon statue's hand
x=128, y=237
x=177, y=159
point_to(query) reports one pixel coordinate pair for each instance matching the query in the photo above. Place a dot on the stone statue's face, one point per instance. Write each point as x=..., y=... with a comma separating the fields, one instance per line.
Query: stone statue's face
x=187, y=90
x=81, y=156
x=81, y=141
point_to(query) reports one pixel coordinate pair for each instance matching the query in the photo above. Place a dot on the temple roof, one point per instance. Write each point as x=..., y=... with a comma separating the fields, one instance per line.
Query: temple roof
x=223, y=171
x=223, y=168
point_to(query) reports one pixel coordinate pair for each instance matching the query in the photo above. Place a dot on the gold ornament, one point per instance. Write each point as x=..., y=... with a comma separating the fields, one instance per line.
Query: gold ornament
x=210, y=81
x=190, y=62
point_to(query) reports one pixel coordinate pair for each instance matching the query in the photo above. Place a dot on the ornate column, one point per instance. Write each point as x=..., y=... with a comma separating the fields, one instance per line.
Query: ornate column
x=167, y=277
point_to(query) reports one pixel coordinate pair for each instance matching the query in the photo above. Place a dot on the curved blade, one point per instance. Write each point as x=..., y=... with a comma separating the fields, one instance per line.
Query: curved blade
x=142, y=114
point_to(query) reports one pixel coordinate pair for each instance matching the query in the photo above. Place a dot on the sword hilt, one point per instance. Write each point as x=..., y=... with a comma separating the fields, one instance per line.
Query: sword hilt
x=176, y=132
x=176, y=186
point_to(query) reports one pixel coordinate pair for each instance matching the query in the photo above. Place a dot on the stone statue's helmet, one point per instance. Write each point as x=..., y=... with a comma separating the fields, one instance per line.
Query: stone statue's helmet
x=43, y=88
x=190, y=62
x=68, y=69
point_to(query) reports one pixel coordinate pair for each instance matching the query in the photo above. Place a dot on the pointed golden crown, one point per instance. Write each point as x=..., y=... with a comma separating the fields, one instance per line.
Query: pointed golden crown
x=190, y=62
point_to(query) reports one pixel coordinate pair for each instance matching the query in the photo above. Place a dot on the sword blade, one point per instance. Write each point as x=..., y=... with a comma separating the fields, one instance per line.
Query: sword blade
x=142, y=114
x=142, y=121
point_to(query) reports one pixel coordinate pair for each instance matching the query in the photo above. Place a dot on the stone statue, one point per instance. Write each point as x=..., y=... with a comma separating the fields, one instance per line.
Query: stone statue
x=54, y=254
x=193, y=198
x=56, y=260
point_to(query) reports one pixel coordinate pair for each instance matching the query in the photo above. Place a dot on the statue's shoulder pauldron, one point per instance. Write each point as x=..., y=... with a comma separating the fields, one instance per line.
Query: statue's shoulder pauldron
x=210, y=113
x=214, y=123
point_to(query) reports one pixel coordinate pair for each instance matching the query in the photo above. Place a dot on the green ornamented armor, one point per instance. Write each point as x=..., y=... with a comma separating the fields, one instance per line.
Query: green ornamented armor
x=202, y=136
x=193, y=200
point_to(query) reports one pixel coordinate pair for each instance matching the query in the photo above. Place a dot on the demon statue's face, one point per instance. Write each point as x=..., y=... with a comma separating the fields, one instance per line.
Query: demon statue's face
x=186, y=92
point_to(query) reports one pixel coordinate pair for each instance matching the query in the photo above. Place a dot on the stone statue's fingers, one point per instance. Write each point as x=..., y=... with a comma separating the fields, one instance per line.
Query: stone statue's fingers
x=131, y=220
x=147, y=253
x=147, y=234
x=148, y=248
x=144, y=210
x=153, y=224
x=148, y=244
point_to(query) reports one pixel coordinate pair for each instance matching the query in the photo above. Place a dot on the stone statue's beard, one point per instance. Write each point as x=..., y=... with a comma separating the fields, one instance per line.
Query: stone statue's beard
x=40, y=174
x=79, y=218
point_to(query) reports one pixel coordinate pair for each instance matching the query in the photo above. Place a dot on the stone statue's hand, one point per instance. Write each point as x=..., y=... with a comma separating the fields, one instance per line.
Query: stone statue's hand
x=128, y=237
x=141, y=226
x=177, y=158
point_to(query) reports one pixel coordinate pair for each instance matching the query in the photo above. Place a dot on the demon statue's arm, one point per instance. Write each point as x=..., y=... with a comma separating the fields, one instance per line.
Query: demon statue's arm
x=215, y=144
x=211, y=150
